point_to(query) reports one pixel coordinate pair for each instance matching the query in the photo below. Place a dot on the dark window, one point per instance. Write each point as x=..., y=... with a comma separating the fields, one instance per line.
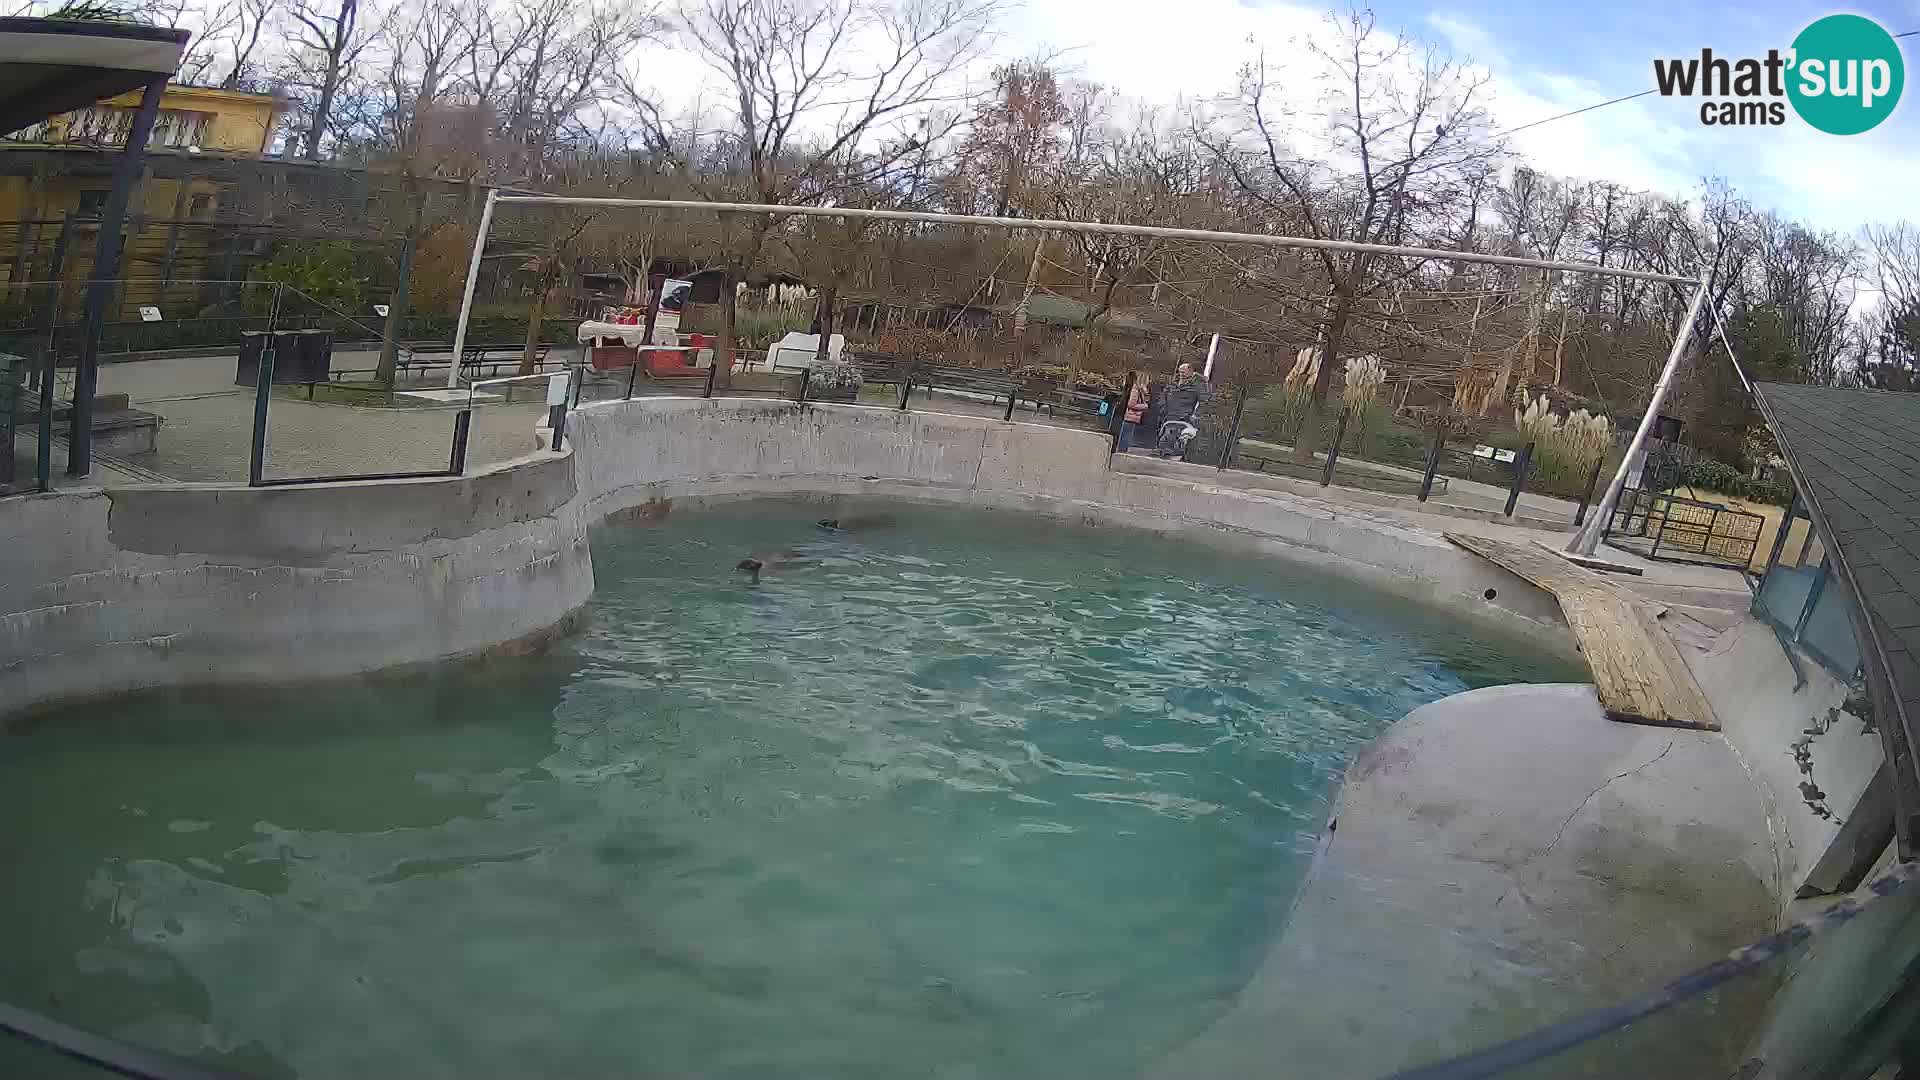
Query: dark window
x=92, y=204
x=202, y=205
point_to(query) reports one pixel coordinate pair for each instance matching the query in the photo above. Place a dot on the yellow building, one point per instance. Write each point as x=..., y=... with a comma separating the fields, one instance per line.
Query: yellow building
x=193, y=120
x=61, y=170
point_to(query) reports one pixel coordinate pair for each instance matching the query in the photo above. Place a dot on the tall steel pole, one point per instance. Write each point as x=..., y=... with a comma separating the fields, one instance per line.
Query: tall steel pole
x=473, y=279
x=1588, y=538
x=106, y=271
x=1094, y=228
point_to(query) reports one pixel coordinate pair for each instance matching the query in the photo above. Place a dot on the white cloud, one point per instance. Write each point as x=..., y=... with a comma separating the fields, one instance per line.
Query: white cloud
x=1161, y=54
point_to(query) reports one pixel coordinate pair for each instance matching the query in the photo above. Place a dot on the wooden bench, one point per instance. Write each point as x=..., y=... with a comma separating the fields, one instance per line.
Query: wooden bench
x=472, y=357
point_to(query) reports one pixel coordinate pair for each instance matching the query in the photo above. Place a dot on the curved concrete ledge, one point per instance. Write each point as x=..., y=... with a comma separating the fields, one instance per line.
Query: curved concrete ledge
x=169, y=585
x=1499, y=860
x=647, y=455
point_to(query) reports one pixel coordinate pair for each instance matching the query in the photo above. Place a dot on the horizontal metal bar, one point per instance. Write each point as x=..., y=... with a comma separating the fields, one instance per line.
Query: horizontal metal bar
x=290, y=481
x=1057, y=225
x=113, y=1055
x=509, y=378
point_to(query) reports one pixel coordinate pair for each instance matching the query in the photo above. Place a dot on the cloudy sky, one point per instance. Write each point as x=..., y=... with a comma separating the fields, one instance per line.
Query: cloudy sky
x=1545, y=58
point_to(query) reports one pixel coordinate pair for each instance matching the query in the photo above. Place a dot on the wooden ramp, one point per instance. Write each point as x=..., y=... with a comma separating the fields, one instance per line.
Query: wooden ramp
x=1637, y=669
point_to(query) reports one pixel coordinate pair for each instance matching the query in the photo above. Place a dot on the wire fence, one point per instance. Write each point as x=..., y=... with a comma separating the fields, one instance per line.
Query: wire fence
x=346, y=392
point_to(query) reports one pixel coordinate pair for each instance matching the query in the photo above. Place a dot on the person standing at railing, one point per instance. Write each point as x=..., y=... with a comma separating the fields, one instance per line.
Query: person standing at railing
x=1183, y=403
x=1135, y=409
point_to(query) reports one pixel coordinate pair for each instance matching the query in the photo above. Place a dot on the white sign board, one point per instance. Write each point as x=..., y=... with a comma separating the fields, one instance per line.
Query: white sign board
x=149, y=313
x=380, y=310
x=557, y=389
x=1493, y=454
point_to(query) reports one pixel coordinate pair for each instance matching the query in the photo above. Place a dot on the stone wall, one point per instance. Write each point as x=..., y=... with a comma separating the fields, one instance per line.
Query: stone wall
x=671, y=450
x=169, y=585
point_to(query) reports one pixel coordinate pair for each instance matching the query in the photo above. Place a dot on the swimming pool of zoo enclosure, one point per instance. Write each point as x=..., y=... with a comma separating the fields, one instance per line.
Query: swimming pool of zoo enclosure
x=1221, y=448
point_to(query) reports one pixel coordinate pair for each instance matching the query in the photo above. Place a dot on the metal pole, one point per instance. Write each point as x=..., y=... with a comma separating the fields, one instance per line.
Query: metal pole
x=106, y=268
x=806, y=376
x=1095, y=228
x=1588, y=538
x=1520, y=464
x=906, y=389
x=473, y=280
x=1120, y=414
x=1012, y=393
x=1666, y=513
x=58, y=287
x=262, y=391
x=1586, y=497
x=1206, y=373
x=457, y=462
x=712, y=370
x=44, y=468
x=1333, y=450
x=1233, y=432
x=1780, y=534
x=646, y=332
x=1433, y=459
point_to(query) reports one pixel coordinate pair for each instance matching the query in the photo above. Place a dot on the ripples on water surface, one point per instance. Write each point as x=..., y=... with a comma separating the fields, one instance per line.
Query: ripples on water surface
x=970, y=795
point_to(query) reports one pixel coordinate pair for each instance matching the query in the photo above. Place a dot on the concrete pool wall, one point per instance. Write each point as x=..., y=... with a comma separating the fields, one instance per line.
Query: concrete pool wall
x=168, y=585
x=636, y=456
x=111, y=591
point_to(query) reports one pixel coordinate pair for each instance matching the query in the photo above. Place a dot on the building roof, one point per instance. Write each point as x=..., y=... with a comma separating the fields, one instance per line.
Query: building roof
x=52, y=66
x=1855, y=456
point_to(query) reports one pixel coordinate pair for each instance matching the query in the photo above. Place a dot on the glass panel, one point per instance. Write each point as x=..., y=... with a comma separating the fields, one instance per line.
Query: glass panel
x=1783, y=595
x=1828, y=634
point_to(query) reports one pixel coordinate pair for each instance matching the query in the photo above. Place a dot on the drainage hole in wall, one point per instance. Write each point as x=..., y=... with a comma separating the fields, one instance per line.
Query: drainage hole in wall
x=1490, y=593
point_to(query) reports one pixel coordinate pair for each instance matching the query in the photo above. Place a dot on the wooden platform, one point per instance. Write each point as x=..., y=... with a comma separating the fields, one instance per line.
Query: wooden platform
x=1637, y=669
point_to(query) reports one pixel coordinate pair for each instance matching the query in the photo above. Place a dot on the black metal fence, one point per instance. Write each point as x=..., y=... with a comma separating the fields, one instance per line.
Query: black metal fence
x=618, y=372
x=1258, y=428
x=1667, y=527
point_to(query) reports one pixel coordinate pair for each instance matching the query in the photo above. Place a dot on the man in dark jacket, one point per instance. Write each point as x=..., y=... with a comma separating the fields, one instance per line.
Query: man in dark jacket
x=1182, y=403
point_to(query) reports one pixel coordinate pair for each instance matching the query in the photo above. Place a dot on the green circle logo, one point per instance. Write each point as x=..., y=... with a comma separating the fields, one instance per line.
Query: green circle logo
x=1847, y=74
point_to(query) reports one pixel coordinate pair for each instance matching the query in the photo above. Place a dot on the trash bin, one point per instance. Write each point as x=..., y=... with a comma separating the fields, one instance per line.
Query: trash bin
x=299, y=356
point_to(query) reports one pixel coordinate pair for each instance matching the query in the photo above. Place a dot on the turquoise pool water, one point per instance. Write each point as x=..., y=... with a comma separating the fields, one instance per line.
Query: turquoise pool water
x=961, y=795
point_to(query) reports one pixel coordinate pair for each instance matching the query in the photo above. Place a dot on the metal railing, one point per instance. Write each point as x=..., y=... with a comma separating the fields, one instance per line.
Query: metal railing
x=1657, y=525
x=885, y=381
x=1241, y=427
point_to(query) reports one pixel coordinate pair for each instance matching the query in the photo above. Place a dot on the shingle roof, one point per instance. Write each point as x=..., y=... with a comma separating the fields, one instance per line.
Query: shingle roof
x=1856, y=456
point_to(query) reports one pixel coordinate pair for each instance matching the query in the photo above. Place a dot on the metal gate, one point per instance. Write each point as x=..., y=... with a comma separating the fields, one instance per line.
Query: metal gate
x=1667, y=527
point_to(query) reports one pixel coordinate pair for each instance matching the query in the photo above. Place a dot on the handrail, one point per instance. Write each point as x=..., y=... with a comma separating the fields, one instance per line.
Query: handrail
x=543, y=375
x=123, y=1058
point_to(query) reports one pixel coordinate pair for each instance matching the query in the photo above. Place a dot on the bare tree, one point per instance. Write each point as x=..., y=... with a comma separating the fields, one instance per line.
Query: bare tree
x=811, y=83
x=329, y=40
x=1403, y=124
x=1890, y=347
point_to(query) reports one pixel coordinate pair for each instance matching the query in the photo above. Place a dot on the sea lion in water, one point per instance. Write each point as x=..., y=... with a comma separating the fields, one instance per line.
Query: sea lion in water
x=857, y=522
x=754, y=565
